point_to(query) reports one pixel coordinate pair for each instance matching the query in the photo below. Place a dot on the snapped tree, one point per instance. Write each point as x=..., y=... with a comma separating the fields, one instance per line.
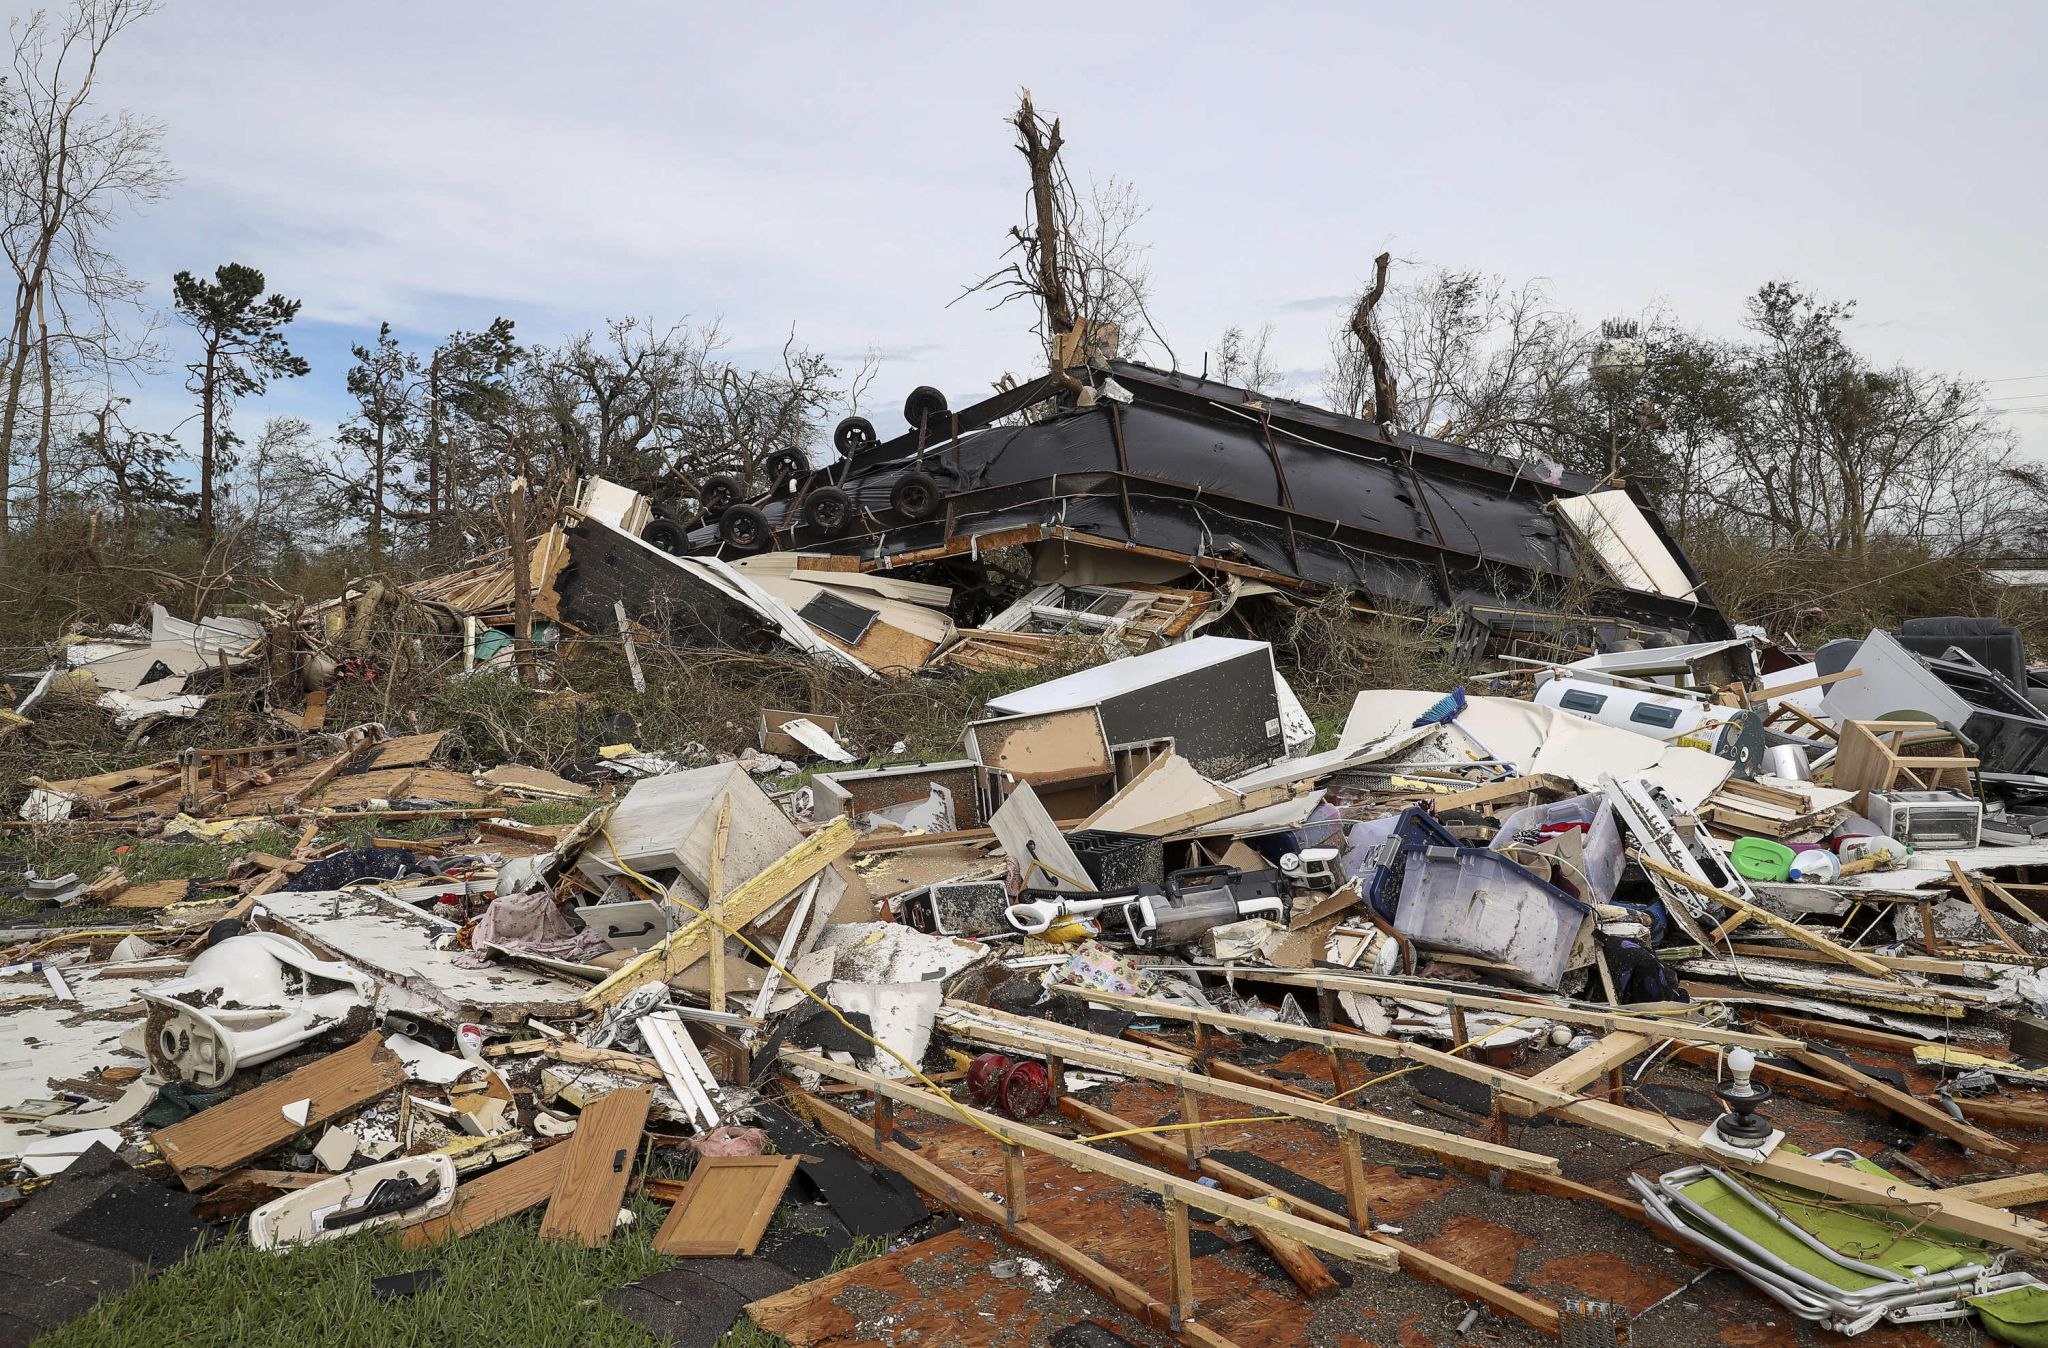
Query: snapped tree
x=242, y=348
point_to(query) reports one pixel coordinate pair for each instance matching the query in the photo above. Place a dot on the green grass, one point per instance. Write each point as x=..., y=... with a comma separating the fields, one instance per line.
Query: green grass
x=501, y=1286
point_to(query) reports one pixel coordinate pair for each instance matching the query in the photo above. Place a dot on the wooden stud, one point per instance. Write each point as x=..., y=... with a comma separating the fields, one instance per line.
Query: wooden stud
x=1970, y=892
x=1182, y=1259
x=1013, y=1184
x=885, y=1119
x=1191, y=1113
x=1355, y=1199
x=714, y=902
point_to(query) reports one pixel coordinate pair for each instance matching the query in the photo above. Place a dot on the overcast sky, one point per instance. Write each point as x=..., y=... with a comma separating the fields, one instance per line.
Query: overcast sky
x=844, y=169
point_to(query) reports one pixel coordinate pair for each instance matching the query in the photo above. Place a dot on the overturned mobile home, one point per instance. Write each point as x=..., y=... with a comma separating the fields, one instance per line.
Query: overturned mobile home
x=1120, y=472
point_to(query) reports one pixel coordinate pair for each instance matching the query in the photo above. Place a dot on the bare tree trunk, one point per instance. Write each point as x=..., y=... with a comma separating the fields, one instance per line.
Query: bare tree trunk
x=1383, y=409
x=1041, y=147
x=434, y=470
x=207, y=394
x=377, y=501
x=43, y=431
x=522, y=581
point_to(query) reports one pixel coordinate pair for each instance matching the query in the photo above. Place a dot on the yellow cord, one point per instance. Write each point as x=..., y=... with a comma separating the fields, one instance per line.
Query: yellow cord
x=796, y=983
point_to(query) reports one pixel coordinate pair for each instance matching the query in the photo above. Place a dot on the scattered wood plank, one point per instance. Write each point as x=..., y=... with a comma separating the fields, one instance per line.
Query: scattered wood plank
x=1770, y=919
x=725, y=1206
x=505, y=1192
x=214, y=1141
x=960, y=1196
x=584, y=1207
x=1931, y=1117
x=1976, y=898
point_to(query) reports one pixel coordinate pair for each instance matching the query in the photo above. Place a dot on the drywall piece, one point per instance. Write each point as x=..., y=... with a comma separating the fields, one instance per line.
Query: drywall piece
x=899, y=1015
x=395, y=945
x=725, y=1207
x=139, y=1095
x=83, y=1033
x=1891, y=678
x=670, y=822
x=1168, y=788
x=1627, y=544
x=1216, y=698
x=47, y=1156
x=337, y=1147
x=584, y=1208
x=427, y=1064
x=391, y=1193
x=1035, y=845
x=504, y=1192
x=1043, y=747
x=214, y=1141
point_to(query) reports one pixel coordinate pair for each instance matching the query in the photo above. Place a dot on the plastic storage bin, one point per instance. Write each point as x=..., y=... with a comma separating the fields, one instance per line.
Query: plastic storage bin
x=1474, y=901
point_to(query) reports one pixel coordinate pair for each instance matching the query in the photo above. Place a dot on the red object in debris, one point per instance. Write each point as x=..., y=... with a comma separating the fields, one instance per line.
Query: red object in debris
x=1025, y=1091
x=984, y=1075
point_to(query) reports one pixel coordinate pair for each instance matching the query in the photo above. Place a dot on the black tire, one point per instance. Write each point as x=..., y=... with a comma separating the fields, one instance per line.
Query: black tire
x=924, y=406
x=666, y=535
x=785, y=464
x=717, y=495
x=916, y=496
x=744, y=528
x=853, y=435
x=829, y=510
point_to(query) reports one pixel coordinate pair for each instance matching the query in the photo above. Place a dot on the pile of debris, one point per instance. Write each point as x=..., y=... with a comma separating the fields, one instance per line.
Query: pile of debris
x=1140, y=975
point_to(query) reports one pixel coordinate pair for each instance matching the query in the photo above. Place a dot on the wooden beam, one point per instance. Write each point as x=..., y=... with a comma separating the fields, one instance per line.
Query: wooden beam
x=1589, y=1064
x=1931, y=1117
x=966, y=1199
x=1764, y=915
x=1415, y=1261
x=2008, y=1191
x=1043, y=1037
x=1976, y=898
x=692, y=941
x=1608, y=1021
x=1342, y=1244
x=714, y=899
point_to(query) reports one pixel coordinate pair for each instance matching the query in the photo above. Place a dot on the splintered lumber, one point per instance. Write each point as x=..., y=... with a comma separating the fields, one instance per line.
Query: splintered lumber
x=1769, y=918
x=1931, y=1117
x=584, y=1207
x=214, y=1141
x=2008, y=1191
x=505, y=1192
x=692, y=941
x=1976, y=898
x=950, y=1191
x=1415, y=1261
x=1610, y=1021
x=1357, y=1249
x=1077, y=1046
x=725, y=1206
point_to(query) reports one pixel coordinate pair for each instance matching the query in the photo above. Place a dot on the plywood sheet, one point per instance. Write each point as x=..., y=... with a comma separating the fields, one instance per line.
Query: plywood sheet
x=1044, y=747
x=601, y=1155
x=214, y=1141
x=725, y=1207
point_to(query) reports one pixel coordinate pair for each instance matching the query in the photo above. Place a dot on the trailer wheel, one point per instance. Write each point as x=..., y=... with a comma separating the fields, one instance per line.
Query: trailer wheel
x=744, y=528
x=717, y=495
x=829, y=510
x=924, y=405
x=853, y=435
x=666, y=535
x=785, y=464
x=915, y=496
